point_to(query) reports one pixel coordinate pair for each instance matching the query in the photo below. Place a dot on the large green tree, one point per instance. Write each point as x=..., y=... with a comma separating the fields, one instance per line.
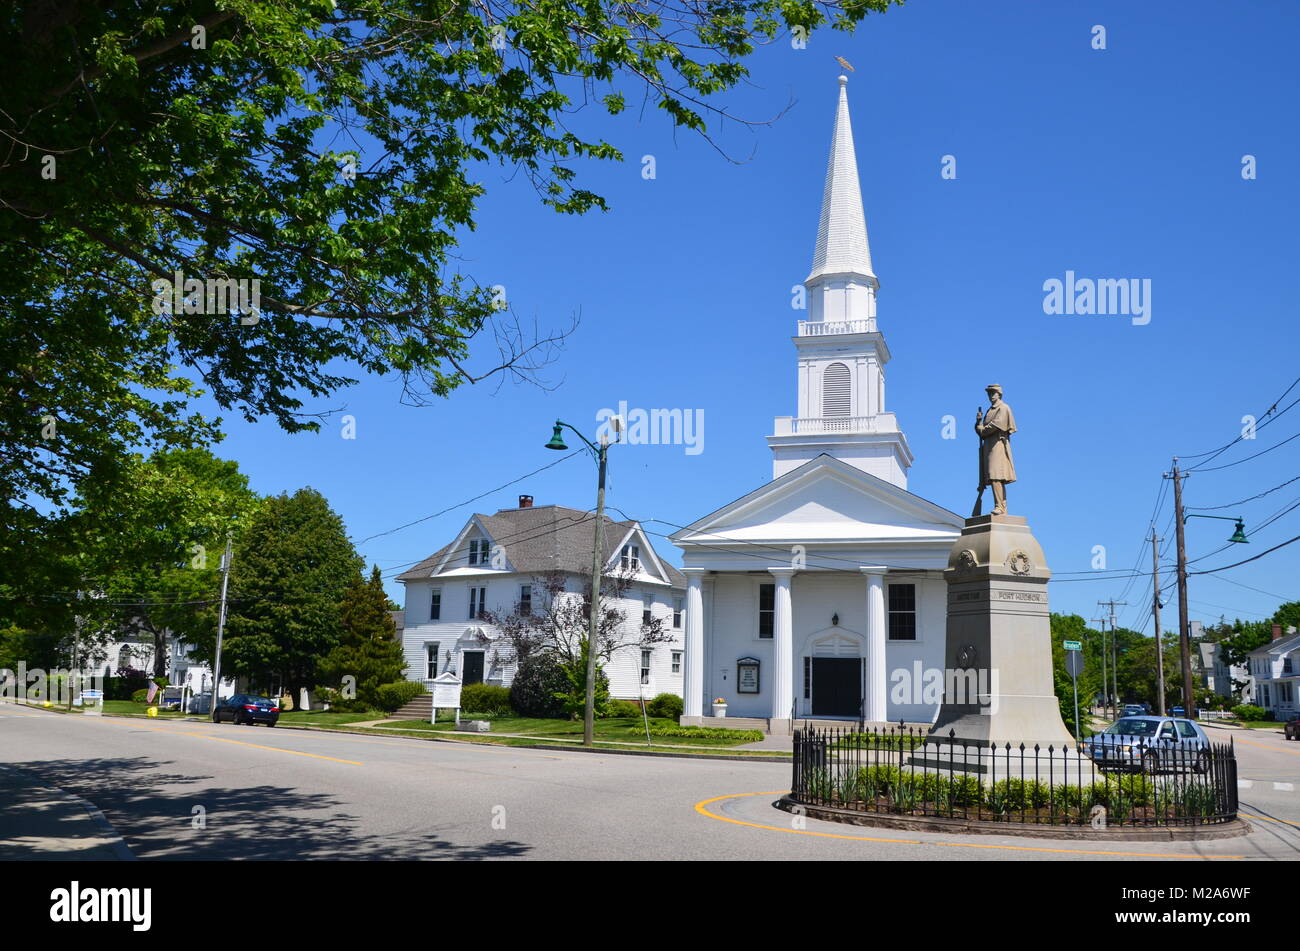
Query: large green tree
x=331, y=150
x=291, y=573
x=160, y=560
x=368, y=651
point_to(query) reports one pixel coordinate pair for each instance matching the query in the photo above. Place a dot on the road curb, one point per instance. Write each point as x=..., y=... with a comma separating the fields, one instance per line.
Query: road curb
x=1225, y=830
x=113, y=838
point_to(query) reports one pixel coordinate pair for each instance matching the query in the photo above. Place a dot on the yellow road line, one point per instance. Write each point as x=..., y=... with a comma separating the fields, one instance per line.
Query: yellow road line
x=273, y=749
x=1265, y=746
x=700, y=808
x=1245, y=815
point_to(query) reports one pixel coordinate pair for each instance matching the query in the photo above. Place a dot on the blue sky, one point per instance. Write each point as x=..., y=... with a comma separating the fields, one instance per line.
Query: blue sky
x=1116, y=163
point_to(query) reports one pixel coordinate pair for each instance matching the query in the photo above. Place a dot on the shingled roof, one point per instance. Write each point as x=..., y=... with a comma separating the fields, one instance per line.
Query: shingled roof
x=542, y=539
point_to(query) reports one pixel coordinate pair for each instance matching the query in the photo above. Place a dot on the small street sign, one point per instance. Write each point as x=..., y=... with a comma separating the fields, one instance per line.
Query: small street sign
x=1074, y=663
x=1073, y=646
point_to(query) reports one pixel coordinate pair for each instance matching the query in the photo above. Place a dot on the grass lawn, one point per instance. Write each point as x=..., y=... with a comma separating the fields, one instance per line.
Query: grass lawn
x=1262, y=724
x=327, y=717
x=624, y=730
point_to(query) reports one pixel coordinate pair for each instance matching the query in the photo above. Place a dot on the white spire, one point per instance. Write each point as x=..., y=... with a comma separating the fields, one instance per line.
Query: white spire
x=842, y=247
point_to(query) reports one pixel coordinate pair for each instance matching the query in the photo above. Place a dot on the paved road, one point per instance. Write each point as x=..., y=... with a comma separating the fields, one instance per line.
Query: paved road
x=198, y=790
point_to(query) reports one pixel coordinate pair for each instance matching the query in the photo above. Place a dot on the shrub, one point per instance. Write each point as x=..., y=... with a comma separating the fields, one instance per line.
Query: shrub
x=396, y=695
x=532, y=692
x=667, y=705
x=1248, y=711
x=488, y=699
x=141, y=695
x=706, y=732
x=624, y=708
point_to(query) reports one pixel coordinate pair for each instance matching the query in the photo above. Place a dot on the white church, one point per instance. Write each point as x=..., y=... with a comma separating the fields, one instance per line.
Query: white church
x=820, y=595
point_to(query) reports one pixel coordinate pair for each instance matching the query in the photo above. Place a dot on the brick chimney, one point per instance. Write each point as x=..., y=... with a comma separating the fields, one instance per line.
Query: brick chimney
x=1277, y=632
x=526, y=502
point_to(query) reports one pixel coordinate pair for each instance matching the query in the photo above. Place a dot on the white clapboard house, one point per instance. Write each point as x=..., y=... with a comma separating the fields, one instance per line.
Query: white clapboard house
x=820, y=594
x=498, y=563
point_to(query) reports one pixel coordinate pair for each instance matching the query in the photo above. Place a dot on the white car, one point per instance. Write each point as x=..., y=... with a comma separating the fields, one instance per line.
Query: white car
x=1151, y=743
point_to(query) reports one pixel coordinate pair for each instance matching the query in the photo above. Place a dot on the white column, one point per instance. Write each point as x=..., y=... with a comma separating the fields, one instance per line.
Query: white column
x=693, y=655
x=875, y=709
x=782, y=647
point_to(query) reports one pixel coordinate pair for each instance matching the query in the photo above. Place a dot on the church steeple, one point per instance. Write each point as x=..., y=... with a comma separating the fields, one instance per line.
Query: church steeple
x=842, y=249
x=842, y=354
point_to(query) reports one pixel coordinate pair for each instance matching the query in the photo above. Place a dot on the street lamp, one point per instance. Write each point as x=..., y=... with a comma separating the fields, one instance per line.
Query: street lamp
x=601, y=451
x=1238, y=537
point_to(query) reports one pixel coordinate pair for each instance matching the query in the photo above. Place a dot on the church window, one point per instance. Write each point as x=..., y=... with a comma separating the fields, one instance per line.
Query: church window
x=836, y=390
x=766, y=609
x=902, y=612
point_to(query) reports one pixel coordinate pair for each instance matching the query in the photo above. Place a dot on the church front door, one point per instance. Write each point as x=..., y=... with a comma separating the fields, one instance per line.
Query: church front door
x=836, y=687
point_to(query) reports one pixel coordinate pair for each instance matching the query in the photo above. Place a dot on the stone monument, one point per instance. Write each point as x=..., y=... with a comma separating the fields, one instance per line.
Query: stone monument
x=998, y=683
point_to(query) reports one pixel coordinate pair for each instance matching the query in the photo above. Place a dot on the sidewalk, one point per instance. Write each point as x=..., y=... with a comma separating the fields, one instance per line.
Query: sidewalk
x=779, y=744
x=41, y=823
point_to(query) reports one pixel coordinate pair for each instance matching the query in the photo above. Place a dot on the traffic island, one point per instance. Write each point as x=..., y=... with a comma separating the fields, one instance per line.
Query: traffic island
x=1228, y=829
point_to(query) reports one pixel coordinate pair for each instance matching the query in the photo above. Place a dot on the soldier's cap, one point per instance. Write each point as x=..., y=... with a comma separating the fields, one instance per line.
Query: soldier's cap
x=993, y=386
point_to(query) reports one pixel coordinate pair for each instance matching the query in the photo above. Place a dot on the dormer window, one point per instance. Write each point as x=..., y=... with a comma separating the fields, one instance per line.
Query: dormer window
x=478, y=551
x=631, y=557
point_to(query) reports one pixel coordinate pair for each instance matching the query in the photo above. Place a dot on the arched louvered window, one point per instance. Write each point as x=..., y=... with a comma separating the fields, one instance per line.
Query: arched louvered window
x=836, y=390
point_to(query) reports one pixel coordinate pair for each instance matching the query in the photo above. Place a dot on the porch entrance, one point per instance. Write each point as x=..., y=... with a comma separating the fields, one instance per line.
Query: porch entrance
x=837, y=686
x=472, y=672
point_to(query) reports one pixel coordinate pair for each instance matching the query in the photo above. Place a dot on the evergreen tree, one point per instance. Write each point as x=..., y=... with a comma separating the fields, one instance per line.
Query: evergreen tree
x=291, y=572
x=369, y=650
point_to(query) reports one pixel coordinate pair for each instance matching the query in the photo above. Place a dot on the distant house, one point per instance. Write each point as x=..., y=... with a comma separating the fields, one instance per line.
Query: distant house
x=497, y=563
x=1276, y=671
x=1219, y=678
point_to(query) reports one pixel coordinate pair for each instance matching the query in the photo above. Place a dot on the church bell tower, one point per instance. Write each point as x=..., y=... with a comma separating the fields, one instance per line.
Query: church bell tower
x=841, y=352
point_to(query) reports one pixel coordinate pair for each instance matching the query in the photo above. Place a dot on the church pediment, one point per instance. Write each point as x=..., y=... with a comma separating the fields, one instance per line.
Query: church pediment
x=826, y=499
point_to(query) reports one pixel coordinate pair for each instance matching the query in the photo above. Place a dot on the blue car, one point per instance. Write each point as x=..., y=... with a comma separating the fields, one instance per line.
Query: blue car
x=1154, y=744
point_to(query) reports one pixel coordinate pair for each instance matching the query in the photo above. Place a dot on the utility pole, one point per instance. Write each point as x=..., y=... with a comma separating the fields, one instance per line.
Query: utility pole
x=1105, y=684
x=1155, y=612
x=1114, y=644
x=221, y=626
x=1189, y=698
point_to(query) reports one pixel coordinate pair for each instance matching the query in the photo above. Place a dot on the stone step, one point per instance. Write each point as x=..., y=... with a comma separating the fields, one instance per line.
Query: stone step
x=421, y=708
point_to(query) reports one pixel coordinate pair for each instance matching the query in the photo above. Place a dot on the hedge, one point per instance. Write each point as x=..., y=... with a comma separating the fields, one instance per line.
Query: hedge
x=707, y=733
x=487, y=699
x=397, y=695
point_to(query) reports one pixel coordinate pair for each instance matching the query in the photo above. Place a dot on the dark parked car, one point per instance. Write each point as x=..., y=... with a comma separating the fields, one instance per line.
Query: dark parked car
x=246, y=708
x=1292, y=729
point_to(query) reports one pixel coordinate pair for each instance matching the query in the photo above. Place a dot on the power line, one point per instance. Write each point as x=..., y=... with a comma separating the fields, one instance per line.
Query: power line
x=458, y=505
x=1232, y=505
x=1213, y=453
x=1229, y=465
x=1209, y=571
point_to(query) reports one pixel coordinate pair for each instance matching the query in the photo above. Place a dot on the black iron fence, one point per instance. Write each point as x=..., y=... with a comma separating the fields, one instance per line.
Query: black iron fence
x=1105, y=781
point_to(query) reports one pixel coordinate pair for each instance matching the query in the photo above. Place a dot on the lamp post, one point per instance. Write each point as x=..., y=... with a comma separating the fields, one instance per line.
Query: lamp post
x=1184, y=640
x=602, y=452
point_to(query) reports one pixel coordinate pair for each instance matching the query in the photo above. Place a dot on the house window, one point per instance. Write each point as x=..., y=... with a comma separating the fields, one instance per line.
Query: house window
x=435, y=604
x=677, y=613
x=766, y=609
x=1286, y=665
x=1266, y=703
x=430, y=661
x=647, y=604
x=902, y=612
x=525, y=600
x=677, y=662
x=645, y=666
x=477, y=602
x=807, y=678
x=630, y=559
x=478, y=551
